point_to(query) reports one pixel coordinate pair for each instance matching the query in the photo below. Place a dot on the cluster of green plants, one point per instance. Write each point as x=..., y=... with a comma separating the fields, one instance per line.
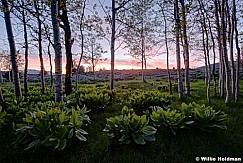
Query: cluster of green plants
x=42, y=122
x=17, y=108
x=129, y=127
x=141, y=100
x=92, y=98
x=2, y=116
x=189, y=116
x=53, y=125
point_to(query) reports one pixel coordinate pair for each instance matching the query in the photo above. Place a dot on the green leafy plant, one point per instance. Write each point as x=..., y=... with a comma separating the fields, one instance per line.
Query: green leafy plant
x=171, y=119
x=130, y=128
x=127, y=111
x=142, y=100
x=2, y=116
x=206, y=118
x=93, y=98
x=203, y=117
x=188, y=112
x=48, y=125
x=189, y=116
x=113, y=127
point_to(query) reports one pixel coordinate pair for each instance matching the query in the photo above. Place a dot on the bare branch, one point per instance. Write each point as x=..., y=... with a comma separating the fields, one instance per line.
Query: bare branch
x=122, y=5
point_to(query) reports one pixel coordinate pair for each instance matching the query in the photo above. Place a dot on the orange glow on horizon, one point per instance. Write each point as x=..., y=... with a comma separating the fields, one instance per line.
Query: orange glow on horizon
x=34, y=63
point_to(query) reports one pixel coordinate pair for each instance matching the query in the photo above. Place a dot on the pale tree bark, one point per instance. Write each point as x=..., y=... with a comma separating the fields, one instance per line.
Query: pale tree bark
x=219, y=40
x=10, y=73
x=209, y=64
x=206, y=49
x=92, y=60
x=237, y=76
x=185, y=48
x=143, y=52
x=241, y=57
x=50, y=62
x=50, y=43
x=1, y=76
x=82, y=45
x=225, y=54
x=206, y=16
x=231, y=46
x=1, y=95
x=58, y=51
x=36, y=5
x=145, y=65
x=167, y=52
x=214, y=57
x=222, y=75
x=114, y=9
x=13, y=53
x=178, y=57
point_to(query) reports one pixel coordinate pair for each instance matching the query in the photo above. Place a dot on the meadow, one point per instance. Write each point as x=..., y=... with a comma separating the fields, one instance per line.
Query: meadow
x=185, y=131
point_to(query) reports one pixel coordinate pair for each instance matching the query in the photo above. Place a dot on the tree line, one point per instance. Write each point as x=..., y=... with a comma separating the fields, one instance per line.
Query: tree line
x=144, y=28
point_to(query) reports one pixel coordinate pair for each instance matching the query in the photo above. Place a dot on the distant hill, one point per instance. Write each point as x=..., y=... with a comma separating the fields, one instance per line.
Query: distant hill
x=216, y=66
x=203, y=67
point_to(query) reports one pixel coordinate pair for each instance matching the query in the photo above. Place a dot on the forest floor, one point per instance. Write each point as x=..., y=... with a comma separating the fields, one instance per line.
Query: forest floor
x=185, y=146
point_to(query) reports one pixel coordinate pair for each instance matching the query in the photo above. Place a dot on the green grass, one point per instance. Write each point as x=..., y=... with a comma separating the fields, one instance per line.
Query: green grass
x=183, y=147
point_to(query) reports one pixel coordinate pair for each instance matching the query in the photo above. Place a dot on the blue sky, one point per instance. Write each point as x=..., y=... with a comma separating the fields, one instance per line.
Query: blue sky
x=122, y=61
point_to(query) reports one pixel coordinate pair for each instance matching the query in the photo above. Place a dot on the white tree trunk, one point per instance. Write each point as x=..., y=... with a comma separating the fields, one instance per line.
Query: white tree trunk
x=237, y=76
x=58, y=51
x=186, y=48
x=178, y=57
x=225, y=54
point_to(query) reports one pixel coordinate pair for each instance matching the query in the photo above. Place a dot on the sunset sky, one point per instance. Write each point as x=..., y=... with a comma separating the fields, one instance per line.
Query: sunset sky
x=121, y=61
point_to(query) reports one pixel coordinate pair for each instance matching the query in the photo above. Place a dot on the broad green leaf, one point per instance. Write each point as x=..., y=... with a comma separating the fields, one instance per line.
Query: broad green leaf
x=61, y=131
x=62, y=144
x=123, y=138
x=20, y=125
x=35, y=133
x=48, y=142
x=62, y=117
x=80, y=136
x=3, y=114
x=139, y=139
x=223, y=127
x=71, y=133
x=149, y=130
x=74, y=118
x=149, y=137
x=35, y=144
x=82, y=131
x=189, y=122
x=38, y=124
x=134, y=123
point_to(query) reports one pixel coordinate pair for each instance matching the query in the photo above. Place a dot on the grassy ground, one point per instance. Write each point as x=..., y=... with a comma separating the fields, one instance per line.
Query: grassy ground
x=183, y=147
